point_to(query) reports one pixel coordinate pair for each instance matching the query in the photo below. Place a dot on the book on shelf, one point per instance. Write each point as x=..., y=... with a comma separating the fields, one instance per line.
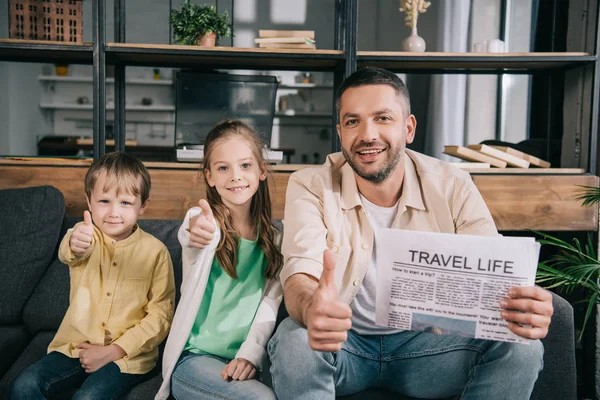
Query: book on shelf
x=287, y=46
x=538, y=162
x=510, y=160
x=471, y=155
x=301, y=40
x=268, y=33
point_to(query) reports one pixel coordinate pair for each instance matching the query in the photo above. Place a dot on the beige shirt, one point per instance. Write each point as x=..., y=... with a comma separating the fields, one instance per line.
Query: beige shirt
x=323, y=210
x=122, y=293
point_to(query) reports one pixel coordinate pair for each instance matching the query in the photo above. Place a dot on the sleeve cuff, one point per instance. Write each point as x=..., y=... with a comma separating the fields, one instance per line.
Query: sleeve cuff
x=302, y=266
x=128, y=343
x=253, y=352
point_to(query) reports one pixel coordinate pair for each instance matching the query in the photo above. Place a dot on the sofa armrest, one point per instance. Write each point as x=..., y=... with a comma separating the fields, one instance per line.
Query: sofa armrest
x=558, y=379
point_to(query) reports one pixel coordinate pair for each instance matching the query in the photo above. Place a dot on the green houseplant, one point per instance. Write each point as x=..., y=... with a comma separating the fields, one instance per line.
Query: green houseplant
x=576, y=266
x=199, y=25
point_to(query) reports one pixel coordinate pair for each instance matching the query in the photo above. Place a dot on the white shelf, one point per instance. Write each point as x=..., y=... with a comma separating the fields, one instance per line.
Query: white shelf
x=88, y=79
x=304, y=86
x=293, y=113
x=89, y=107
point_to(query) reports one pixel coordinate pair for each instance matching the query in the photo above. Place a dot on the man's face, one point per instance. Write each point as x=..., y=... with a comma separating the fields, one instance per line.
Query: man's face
x=374, y=130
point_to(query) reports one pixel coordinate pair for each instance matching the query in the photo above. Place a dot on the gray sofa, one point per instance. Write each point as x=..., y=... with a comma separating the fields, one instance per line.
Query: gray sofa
x=34, y=294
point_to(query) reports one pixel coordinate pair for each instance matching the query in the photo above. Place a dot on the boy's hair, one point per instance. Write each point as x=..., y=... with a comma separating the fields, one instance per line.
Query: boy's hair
x=123, y=171
x=374, y=76
x=260, y=208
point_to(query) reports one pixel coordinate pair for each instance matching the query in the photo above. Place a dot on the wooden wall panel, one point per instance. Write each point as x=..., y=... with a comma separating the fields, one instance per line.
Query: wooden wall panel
x=538, y=202
x=517, y=202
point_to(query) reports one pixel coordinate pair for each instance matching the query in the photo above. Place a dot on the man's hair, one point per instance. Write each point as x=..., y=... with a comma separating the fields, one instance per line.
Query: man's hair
x=123, y=171
x=374, y=76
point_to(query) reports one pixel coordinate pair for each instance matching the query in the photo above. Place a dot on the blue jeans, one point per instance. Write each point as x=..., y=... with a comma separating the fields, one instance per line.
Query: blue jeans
x=415, y=364
x=58, y=374
x=198, y=376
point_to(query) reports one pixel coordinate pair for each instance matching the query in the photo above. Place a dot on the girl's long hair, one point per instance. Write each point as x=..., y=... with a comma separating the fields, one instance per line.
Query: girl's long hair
x=260, y=208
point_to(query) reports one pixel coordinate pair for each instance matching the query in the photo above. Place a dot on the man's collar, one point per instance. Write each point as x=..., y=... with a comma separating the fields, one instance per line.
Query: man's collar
x=412, y=195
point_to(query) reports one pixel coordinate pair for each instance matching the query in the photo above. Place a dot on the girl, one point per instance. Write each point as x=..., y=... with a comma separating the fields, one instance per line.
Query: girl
x=230, y=291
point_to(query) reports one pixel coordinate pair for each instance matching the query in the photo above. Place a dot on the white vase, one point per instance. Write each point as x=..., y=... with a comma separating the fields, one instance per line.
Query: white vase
x=414, y=42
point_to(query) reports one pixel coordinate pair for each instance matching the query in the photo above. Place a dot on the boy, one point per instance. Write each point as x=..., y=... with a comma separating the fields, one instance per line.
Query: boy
x=121, y=298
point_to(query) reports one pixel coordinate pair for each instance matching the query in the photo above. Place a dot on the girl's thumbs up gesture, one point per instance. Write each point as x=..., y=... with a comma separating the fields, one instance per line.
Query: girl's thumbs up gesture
x=83, y=235
x=202, y=228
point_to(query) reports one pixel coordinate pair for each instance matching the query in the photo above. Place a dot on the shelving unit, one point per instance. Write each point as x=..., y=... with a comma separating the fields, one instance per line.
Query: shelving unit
x=485, y=63
x=577, y=72
x=69, y=106
x=88, y=79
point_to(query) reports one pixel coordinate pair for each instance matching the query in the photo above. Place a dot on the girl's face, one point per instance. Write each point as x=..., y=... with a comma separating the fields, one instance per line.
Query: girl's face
x=235, y=172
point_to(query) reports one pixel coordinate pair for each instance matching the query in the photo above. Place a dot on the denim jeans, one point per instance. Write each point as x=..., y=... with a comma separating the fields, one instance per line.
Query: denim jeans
x=415, y=364
x=198, y=376
x=57, y=374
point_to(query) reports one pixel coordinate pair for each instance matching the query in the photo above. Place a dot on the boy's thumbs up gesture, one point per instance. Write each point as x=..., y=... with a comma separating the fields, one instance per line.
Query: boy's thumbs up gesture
x=202, y=227
x=327, y=318
x=82, y=236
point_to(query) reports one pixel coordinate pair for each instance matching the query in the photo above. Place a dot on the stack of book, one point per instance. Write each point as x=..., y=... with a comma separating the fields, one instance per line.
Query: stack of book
x=495, y=156
x=273, y=39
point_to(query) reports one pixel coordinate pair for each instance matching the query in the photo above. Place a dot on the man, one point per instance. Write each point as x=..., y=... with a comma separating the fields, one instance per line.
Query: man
x=330, y=345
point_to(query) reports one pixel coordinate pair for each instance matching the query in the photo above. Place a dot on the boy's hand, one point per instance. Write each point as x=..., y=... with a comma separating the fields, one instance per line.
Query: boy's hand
x=202, y=227
x=82, y=236
x=239, y=369
x=93, y=357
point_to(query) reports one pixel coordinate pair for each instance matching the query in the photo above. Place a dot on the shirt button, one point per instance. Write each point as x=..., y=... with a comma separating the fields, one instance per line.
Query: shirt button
x=334, y=249
x=108, y=294
x=114, y=242
x=114, y=264
x=365, y=246
x=356, y=282
x=103, y=324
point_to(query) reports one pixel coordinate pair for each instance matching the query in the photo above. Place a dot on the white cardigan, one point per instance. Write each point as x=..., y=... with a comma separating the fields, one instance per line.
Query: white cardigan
x=196, y=269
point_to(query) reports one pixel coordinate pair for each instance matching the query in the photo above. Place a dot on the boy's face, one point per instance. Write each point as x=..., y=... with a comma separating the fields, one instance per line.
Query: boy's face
x=114, y=213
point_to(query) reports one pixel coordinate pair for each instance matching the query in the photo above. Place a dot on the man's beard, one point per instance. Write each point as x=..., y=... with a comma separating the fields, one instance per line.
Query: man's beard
x=390, y=164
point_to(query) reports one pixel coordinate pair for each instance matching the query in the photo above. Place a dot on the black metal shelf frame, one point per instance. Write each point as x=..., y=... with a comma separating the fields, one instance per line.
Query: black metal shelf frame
x=100, y=54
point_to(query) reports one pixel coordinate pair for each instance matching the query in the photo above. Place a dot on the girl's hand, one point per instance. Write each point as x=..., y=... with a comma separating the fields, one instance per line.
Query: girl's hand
x=202, y=227
x=239, y=369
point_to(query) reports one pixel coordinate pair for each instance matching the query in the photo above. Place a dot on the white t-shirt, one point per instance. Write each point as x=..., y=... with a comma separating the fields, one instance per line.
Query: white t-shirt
x=363, y=306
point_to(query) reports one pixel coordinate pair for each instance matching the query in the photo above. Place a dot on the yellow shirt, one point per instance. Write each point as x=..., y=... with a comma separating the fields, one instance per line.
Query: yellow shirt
x=121, y=292
x=323, y=210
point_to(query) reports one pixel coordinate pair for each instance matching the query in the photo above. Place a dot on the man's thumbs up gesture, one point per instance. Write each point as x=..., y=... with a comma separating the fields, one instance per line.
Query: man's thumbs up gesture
x=202, y=227
x=327, y=318
x=82, y=236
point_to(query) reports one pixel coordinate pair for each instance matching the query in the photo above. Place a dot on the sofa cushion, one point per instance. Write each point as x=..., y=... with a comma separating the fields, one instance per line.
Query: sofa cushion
x=13, y=339
x=30, y=221
x=561, y=336
x=36, y=349
x=166, y=232
x=45, y=309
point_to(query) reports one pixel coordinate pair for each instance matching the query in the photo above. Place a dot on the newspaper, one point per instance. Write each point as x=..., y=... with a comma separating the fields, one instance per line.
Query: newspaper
x=448, y=283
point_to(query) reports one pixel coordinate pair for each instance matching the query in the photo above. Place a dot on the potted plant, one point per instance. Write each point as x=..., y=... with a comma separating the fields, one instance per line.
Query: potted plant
x=576, y=266
x=199, y=25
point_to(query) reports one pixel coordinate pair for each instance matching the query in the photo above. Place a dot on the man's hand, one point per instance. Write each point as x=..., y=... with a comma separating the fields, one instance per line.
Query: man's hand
x=93, y=357
x=82, y=236
x=528, y=305
x=327, y=319
x=202, y=227
x=239, y=369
